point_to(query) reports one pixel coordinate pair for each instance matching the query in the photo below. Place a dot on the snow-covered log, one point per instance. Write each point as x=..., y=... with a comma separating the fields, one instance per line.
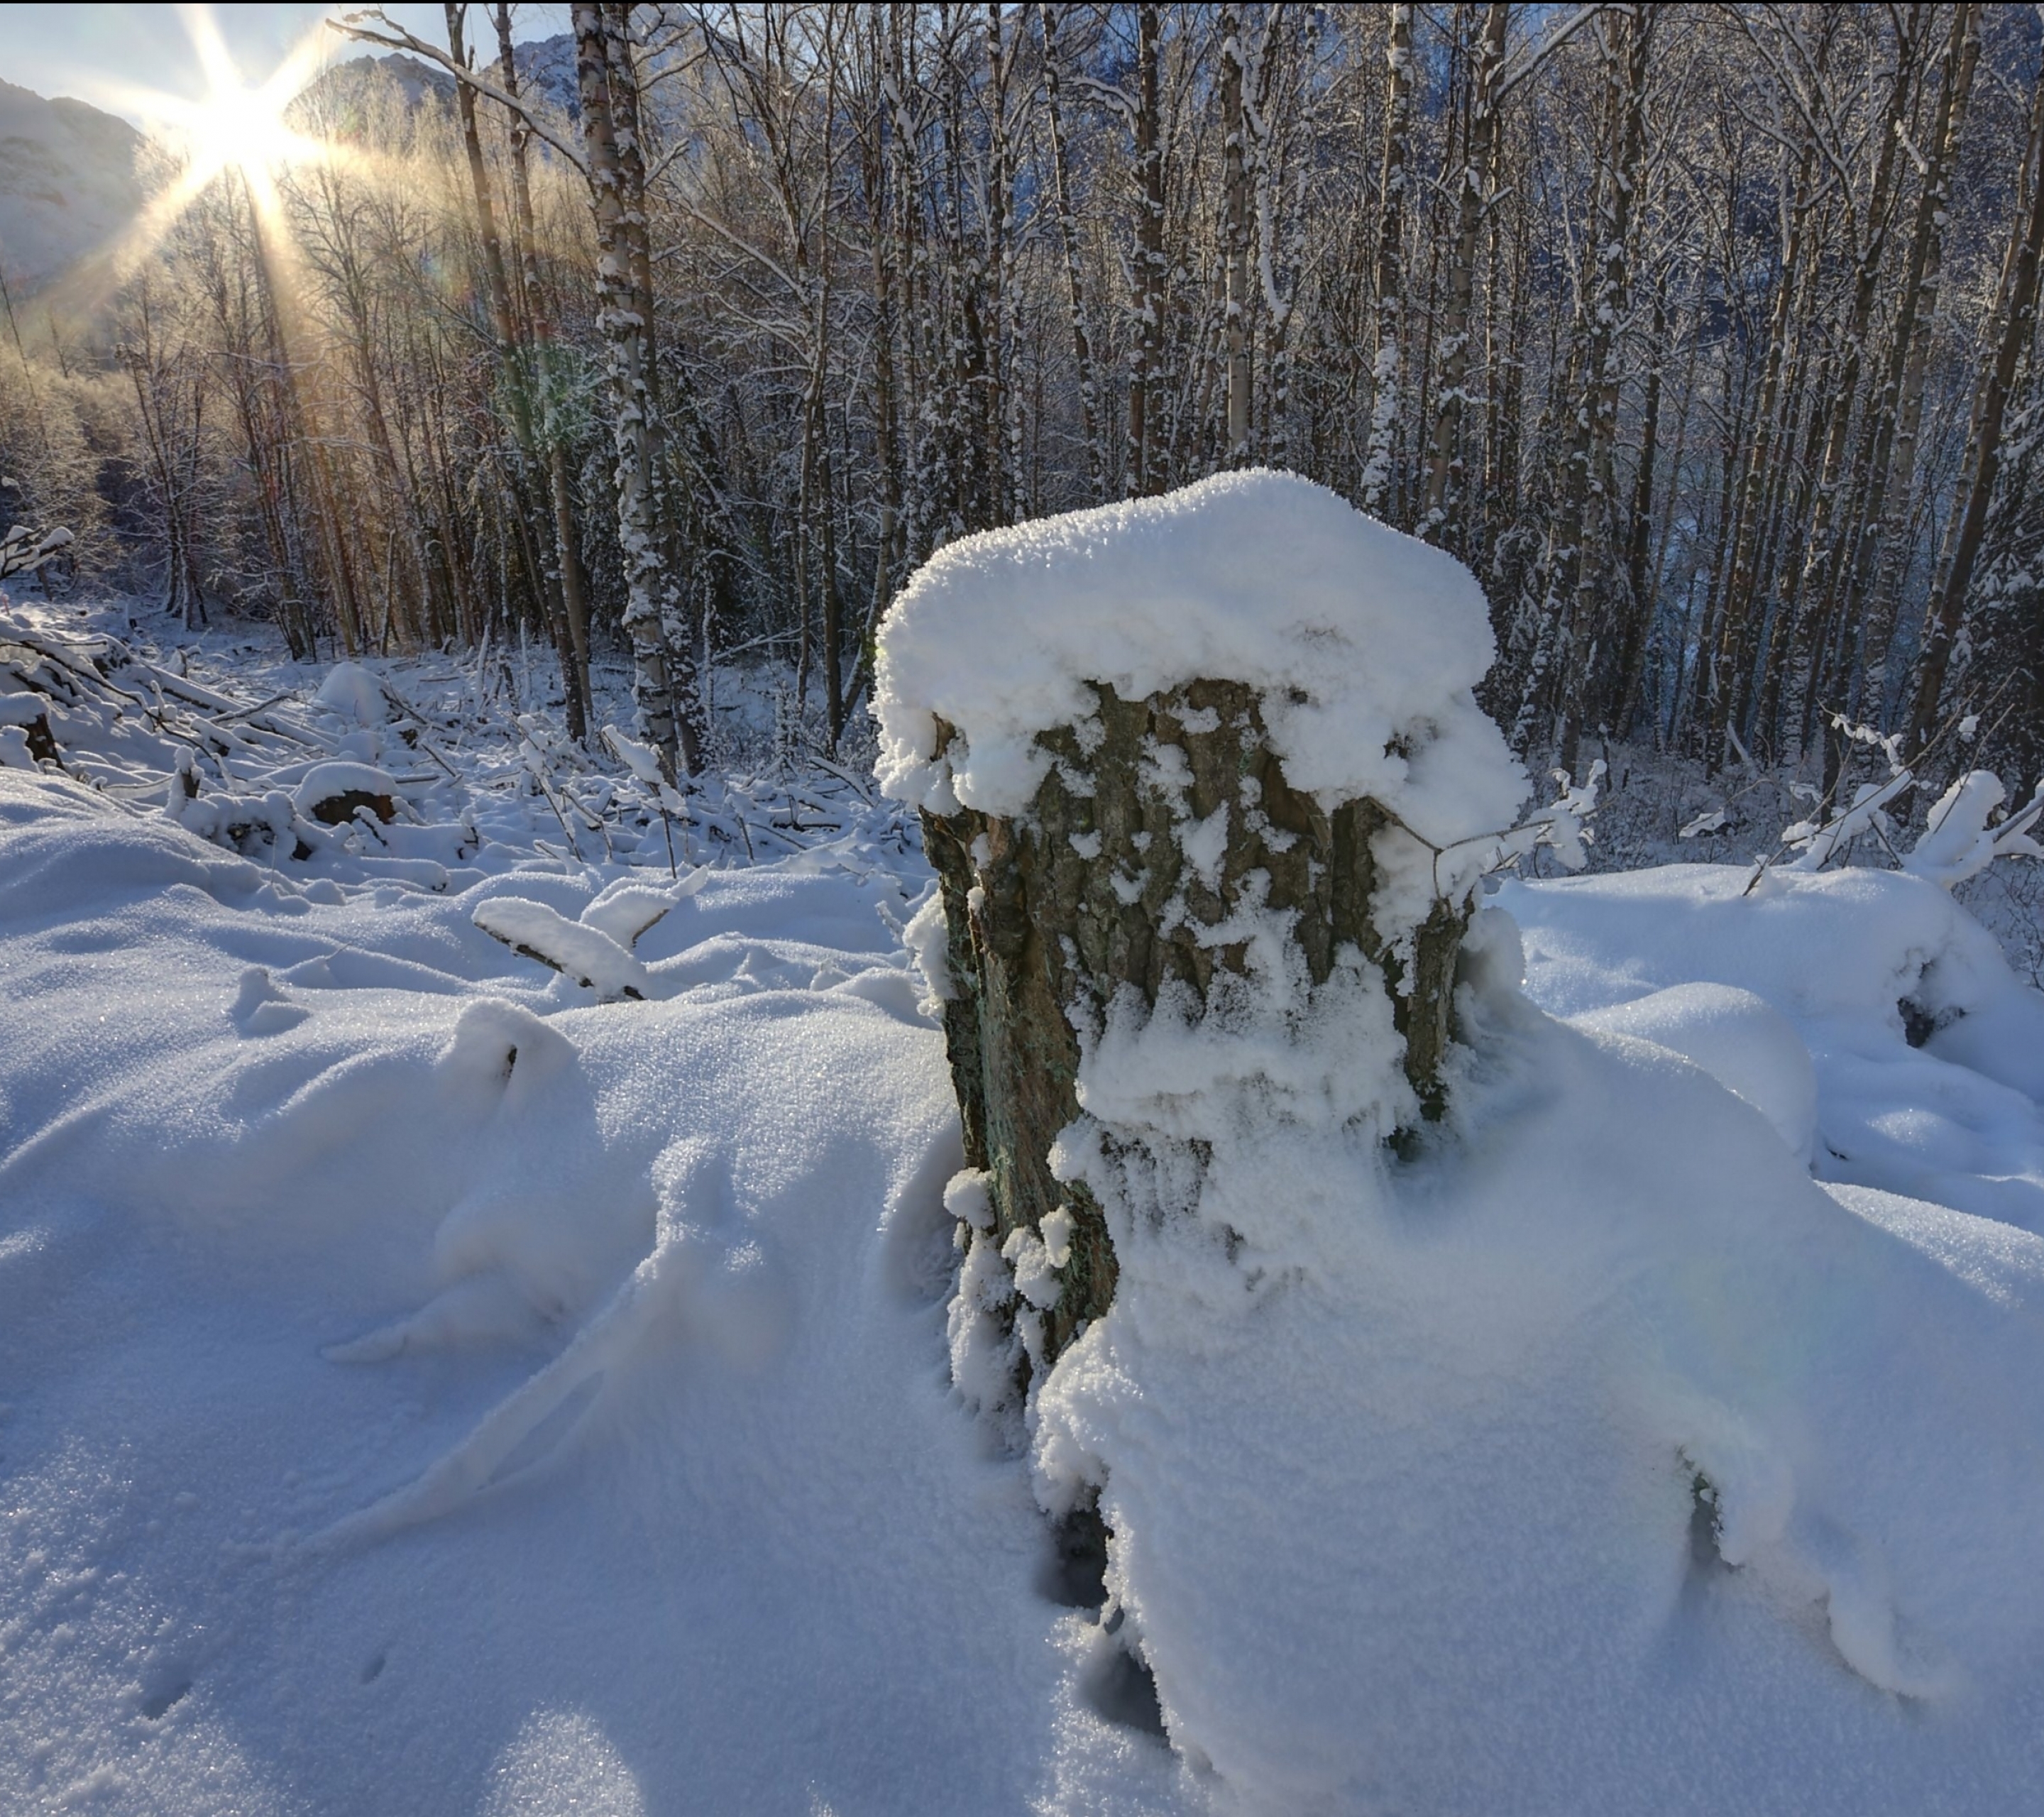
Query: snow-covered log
x=1207, y=760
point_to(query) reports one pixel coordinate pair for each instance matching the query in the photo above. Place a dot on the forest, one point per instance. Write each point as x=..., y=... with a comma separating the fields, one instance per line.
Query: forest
x=1705, y=337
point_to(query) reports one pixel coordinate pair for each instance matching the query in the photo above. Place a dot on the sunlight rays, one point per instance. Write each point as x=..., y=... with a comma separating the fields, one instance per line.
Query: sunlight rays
x=234, y=129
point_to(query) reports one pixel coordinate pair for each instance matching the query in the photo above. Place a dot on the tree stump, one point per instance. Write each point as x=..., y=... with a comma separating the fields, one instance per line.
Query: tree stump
x=1104, y=843
x=1095, y=891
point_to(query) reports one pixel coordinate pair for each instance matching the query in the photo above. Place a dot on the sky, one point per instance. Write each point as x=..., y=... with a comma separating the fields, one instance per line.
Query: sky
x=101, y=53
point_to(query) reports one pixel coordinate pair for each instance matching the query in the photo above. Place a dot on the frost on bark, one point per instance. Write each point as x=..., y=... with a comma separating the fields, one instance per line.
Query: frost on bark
x=1163, y=831
x=2015, y=315
x=1234, y=189
x=625, y=330
x=1380, y=477
x=1140, y=474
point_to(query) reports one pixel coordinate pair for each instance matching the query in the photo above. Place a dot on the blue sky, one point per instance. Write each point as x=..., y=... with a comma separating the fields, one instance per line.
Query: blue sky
x=95, y=53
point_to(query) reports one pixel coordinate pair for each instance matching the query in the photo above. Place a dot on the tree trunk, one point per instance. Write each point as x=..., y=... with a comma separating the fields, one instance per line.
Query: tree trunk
x=625, y=341
x=1235, y=204
x=1043, y=932
x=1381, y=490
x=567, y=547
x=1473, y=189
x=1725, y=685
x=1641, y=583
x=1147, y=344
x=1595, y=532
x=1826, y=558
x=1068, y=239
x=1892, y=469
x=2014, y=308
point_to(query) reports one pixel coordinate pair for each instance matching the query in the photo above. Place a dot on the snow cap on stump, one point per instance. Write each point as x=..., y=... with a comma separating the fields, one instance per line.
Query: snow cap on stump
x=1365, y=644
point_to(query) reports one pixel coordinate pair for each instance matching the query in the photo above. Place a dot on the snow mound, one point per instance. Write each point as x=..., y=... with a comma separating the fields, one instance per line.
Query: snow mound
x=1365, y=644
x=585, y=953
x=352, y=691
x=396, y=1343
x=1928, y=1051
x=1593, y=1459
x=1748, y=1047
x=329, y=788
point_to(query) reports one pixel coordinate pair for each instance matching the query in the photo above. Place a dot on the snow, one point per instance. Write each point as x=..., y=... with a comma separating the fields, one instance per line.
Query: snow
x=1840, y=955
x=68, y=186
x=350, y=689
x=1958, y=843
x=429, y=1386
x=1596, y=1457
x=398, y=1345
x=1364, y=643
x=329, y=782
x=1747, y=1046
x=584, y=953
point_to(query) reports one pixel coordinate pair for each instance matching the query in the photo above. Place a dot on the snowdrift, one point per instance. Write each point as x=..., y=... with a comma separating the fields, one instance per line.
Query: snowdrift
x=428, y=1386
x=428, y=1390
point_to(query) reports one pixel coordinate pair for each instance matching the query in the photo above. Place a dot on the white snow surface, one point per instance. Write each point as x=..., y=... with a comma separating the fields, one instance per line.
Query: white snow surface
x=1596, y=1457
x=427, y=1388
x=426, y=1391
x=1835, y=954
x=1364, y=644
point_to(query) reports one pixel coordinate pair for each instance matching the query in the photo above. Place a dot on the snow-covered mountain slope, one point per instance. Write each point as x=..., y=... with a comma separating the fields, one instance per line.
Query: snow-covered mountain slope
x=547, y=65
x=335, y=100
x=68, y=186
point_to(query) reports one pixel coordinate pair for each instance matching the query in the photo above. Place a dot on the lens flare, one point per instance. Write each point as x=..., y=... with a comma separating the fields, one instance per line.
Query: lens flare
x=236, y=128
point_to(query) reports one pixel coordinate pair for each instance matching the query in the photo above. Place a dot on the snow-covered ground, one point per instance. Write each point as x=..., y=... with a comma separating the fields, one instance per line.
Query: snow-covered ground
x=430, y=1387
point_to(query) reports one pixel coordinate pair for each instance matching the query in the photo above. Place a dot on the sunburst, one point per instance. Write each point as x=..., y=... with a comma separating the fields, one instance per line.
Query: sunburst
x=236, y=128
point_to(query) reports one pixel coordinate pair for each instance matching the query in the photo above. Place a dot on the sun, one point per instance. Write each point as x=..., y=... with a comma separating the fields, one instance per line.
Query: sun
x=233, y=127
x=237, y=128
x=236, y=125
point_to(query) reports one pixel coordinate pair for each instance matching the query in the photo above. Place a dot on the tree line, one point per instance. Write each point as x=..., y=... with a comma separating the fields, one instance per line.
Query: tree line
x=1705, y=335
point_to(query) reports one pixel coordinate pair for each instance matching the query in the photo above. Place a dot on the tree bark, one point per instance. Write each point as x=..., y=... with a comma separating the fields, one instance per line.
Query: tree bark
x=540, y=323
x=1235, y=203
x=1891, y=469
x=1068, y=238
x=1381, y=490
x=1442, y=497
x=2015, y=307
x=626, y=341
x=1594, y=492
x=1140, y=476
x=1045, y=927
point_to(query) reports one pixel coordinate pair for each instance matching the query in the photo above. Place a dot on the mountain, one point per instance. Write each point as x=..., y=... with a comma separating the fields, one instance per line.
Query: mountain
x=68, y=184
x=547, y=65
x=344, y=99
x=340, y=97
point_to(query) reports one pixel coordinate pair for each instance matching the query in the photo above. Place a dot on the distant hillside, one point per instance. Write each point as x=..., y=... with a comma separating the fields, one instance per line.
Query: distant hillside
x=338, y=95
x=548, y=65
x=341, y=97
x=67, y=184
x=68, y=181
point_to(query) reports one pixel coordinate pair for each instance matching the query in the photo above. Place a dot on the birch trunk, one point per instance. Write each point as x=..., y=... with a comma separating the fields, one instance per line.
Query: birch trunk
x=1381, y=490
x=625, y=343
x=1146, y=348
x=1442, y=497
x=1068, y=238
x=566, y=558
x=1892, y=469
x=1235, y=204
x=511, y=365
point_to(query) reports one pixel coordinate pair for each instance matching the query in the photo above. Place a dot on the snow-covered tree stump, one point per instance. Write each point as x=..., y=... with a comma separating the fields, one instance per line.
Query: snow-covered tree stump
x=1188, y=752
